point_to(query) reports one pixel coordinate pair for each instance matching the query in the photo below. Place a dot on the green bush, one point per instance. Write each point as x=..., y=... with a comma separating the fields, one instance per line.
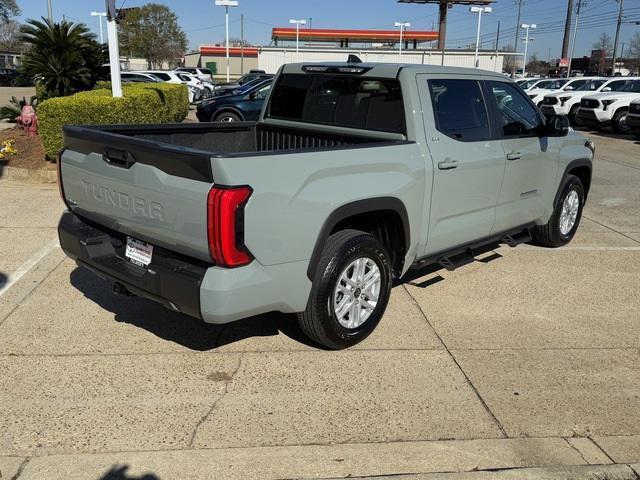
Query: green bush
x=140, y=103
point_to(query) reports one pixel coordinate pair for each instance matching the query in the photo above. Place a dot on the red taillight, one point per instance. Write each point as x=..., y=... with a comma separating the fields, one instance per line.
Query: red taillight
x=225, y=225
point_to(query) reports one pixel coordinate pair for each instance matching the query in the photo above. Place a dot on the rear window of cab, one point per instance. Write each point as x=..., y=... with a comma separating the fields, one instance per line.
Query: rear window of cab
x=341, y=100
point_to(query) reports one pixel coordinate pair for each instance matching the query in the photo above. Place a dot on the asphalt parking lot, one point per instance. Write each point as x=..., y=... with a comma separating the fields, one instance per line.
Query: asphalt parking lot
x=527, y=359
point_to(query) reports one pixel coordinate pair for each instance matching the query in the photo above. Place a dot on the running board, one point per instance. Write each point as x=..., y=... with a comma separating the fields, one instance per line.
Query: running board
x=518, y=238
x=456, y=261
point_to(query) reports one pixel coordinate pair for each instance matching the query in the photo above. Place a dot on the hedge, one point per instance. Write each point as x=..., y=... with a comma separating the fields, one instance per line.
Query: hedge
x=140, y=103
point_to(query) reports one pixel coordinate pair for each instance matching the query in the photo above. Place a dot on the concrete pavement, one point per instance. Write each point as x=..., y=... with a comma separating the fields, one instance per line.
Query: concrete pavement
x=525, y=364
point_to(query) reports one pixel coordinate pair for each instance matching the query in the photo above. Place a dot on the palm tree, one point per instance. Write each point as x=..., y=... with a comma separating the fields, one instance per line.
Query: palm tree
x=64, y=57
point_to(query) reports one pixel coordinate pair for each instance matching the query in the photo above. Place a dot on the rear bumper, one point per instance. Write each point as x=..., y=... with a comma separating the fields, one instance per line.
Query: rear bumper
x=171, y=279
x=184, y=284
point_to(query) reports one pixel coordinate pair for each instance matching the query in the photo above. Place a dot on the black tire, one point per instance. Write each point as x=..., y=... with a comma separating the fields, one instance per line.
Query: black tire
x=550, y=234
x=618, y=124
x=227, y=117
x=319, y=321
x=572, y=115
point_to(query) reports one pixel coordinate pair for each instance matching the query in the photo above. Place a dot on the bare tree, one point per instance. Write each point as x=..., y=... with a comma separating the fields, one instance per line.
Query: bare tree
x=9, y=37
x=8, y=8
x=604, y=43
x=510, y=61
x=634, y=51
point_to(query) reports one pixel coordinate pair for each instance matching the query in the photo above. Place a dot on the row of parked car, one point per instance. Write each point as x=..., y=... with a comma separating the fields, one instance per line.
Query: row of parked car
x=198, y=80
x=593, y=102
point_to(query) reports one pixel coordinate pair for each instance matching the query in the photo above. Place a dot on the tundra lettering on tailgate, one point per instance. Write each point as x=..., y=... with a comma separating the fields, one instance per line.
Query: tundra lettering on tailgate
x=111, y=197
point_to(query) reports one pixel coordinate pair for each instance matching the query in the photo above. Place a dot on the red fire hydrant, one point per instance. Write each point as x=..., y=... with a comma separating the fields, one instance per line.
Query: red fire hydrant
x=28, y=120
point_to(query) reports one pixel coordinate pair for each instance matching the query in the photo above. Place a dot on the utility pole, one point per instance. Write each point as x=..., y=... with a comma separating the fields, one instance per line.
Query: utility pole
x=242, y=44
x=515, y=46
x=49, y=11
x=567, y=30
x=114, y=52
x=575, y=33
x=495, y=63
x=615, y=42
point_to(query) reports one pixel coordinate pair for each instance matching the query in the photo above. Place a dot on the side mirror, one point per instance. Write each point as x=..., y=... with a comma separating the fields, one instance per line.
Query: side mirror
x=606, y=89
x=569, y=88
x=556, y=126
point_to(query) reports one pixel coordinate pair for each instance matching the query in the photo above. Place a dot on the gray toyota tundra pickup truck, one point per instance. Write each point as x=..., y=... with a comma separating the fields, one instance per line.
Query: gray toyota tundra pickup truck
x=353, y=175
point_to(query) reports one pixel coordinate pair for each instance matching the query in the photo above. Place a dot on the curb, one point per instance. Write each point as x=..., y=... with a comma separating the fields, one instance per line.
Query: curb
x=29, y=175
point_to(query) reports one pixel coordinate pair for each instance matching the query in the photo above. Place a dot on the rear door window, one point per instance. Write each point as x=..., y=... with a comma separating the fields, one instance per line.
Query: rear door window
x=459, y=109
x=340, y=100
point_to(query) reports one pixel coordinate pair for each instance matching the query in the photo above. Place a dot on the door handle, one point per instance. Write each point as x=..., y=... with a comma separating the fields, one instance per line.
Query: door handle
x=448, y=164
x=514, y=156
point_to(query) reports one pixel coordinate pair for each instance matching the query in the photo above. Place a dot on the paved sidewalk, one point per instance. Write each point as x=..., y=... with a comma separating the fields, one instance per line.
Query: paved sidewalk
x=522, y=365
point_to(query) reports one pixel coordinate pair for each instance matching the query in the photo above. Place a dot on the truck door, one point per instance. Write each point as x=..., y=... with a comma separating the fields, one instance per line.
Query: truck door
x=531, y=165
x=468, y=161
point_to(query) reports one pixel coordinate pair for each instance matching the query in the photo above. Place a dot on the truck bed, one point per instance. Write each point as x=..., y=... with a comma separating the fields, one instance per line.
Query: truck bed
x=185, y=149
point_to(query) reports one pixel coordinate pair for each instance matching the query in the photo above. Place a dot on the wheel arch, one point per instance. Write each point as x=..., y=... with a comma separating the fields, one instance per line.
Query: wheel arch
x=228, y=109
x=581, y=168
x=374, y=215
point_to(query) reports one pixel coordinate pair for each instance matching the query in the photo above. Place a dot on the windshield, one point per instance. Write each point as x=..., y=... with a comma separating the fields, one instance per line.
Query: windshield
x=248, y=85
x=591, y=85
x=543, y=84
x=633, y=86
x=557, y=84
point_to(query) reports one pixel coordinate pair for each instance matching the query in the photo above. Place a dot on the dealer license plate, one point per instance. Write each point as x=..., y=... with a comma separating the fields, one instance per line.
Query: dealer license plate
x=138, y=252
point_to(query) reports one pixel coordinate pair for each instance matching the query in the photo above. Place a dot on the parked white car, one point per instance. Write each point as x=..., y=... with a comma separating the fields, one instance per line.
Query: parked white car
x=535, y=83
x=558, y=85
x=633, y=118
x=203, y=74
x=609, y=108
x=195, y=93
x=136, y=77
x=206, y=87
x=568, y=102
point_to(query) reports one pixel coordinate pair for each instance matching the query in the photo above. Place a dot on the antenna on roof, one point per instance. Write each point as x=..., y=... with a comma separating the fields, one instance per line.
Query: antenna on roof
x=354, y=59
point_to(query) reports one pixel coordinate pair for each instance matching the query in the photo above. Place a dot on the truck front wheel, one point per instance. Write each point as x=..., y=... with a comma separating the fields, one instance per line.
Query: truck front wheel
x=564, y=221
x=350, y=290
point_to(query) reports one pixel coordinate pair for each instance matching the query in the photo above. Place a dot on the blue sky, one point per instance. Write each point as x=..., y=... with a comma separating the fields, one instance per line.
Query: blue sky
x=204, y=23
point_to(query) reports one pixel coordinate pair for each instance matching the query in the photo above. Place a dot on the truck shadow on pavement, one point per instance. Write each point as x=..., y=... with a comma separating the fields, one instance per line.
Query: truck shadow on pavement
x=179, y=328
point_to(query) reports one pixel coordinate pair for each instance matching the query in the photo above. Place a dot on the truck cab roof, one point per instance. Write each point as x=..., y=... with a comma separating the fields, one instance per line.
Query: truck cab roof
x=383, y=70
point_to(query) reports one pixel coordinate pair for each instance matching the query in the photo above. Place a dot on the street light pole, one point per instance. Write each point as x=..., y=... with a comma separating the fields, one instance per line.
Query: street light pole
x=99, y=15
x=527, y=27
x=402, y=26
x=479, y=11
x=297, y=24
x=226, y=4
x=49, y=11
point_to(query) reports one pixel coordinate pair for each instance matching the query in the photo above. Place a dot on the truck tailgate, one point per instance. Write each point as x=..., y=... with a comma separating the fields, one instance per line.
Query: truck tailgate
x=151, y=191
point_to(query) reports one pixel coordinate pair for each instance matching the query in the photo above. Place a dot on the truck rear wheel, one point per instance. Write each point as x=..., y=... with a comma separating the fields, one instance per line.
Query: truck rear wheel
x=350, y=291
x=564, y=221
